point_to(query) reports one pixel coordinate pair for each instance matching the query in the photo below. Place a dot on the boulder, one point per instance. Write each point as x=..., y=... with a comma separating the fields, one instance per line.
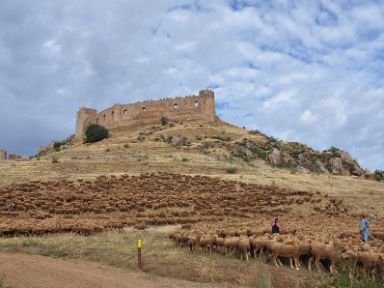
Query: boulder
x=275, y=157
x=336, y=165
x=320, y=165
x=3, y=154
x=357, y=170
x=354, y=167
x=288, y=160
x=346, y=158
x=180, y=141
x=305, y=161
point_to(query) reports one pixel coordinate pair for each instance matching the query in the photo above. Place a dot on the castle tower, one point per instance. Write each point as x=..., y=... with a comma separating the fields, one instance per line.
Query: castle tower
x=208, y=97
x=82, y=115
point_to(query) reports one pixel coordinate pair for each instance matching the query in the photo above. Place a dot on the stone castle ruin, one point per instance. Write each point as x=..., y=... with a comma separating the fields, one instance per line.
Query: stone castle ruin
x=196, y=108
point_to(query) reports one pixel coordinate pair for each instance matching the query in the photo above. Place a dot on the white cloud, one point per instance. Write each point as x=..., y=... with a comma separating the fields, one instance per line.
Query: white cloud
x=307, y=117
x=309, y=71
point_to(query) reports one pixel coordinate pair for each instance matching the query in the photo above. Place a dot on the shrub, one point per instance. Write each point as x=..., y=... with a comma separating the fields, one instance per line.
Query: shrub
x=185, y=160
x=379, y=175
x=164, y=120
x=166, y=139
x=57, y=145
x=55, y=160
x=126, y=146
x=231, y=170
x=95, y=133
x=335, y=151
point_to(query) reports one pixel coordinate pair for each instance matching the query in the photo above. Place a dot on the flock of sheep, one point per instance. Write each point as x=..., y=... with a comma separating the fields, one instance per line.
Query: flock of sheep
x=39, y=207
x=309, y=249
x=203, y=203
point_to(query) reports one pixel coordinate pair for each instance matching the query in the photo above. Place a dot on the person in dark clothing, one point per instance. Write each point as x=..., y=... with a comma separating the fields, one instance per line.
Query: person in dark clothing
x=276, y=226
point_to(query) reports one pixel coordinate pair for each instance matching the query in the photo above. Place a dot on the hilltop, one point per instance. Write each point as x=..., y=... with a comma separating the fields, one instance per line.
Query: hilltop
x=218, y=141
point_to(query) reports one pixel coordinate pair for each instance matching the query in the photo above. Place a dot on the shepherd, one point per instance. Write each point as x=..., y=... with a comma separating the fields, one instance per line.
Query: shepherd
x=364, y=224
x=276, y=226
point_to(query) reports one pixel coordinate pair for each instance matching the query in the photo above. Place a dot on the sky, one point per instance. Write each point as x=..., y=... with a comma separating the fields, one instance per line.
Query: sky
x=307, y=71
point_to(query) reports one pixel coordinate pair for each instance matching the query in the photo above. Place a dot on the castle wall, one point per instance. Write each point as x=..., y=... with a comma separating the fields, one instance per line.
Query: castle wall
x=191, y=108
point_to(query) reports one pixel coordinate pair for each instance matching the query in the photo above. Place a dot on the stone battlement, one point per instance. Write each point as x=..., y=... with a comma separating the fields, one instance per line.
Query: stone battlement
x=191, y=108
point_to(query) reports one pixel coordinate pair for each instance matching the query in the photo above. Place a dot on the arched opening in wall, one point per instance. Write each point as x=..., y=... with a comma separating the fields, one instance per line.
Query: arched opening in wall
x=144, y=109
x=175, y=106
x=125, y=112
x=196, y=103
x=104, y=117
x=97, y=120
x=113, y=113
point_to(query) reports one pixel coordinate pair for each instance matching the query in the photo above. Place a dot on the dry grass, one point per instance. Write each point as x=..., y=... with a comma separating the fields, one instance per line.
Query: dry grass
x=160, y=256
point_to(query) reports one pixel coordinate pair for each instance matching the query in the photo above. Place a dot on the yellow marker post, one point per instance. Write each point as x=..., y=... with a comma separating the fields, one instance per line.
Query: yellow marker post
x=139, y=262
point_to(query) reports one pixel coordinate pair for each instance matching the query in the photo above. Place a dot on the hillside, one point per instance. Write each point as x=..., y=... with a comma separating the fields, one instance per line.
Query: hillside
x=222, y=150
x=195, y=179
x=223, y=142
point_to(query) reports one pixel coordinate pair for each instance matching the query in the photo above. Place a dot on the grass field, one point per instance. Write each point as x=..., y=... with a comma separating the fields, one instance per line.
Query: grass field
x=125, y=154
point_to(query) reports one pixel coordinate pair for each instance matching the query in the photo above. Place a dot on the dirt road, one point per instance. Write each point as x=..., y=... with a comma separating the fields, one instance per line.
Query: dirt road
x=32, y=271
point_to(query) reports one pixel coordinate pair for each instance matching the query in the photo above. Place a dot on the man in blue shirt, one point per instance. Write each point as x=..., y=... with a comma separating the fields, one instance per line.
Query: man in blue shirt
x=364, y=228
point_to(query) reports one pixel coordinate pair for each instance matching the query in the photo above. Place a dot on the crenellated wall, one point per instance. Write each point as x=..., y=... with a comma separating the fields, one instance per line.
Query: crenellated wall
x=191, y=108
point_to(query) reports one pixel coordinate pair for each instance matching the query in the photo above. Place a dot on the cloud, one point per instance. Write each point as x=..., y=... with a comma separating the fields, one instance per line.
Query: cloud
x=308, y=71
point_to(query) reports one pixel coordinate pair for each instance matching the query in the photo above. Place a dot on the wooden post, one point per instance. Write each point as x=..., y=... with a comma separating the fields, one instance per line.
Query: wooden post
x=139, y=262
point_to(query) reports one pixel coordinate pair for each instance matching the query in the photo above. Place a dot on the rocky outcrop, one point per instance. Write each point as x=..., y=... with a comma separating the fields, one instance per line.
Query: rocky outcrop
x=275, y=157
x=3, y=154
x=282, y=159
x=336, y=165
x=295, y=155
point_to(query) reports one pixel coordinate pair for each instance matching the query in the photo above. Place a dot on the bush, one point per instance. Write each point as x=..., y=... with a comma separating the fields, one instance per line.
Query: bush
x=164, y=120
x=55, y=160
x=231, y=170
x=57, y=145
x=379, y=175
x=166, y=139
x=95, y=133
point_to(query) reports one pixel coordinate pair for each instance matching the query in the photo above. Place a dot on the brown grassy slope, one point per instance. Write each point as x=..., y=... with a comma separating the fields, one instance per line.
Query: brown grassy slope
x=123, y=153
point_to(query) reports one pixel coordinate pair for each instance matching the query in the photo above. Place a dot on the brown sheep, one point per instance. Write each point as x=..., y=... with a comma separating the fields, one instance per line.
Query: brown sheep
x=206, y=243
x=289, y=248
x=369, y=261
x=323, y=250
x=218, y=243
x=229, y=244
x=243, y=245
x=258, y=245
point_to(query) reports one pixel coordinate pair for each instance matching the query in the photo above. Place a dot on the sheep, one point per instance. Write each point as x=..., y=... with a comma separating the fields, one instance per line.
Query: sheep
x=288, y=248
x=243, y=245
x=322, y=250
x=229, y=244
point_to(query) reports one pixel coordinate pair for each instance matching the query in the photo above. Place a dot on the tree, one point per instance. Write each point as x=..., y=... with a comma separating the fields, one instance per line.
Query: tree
x=95, y=133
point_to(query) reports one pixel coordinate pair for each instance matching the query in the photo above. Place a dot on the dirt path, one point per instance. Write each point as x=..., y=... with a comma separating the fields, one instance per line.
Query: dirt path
x=32, y=271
